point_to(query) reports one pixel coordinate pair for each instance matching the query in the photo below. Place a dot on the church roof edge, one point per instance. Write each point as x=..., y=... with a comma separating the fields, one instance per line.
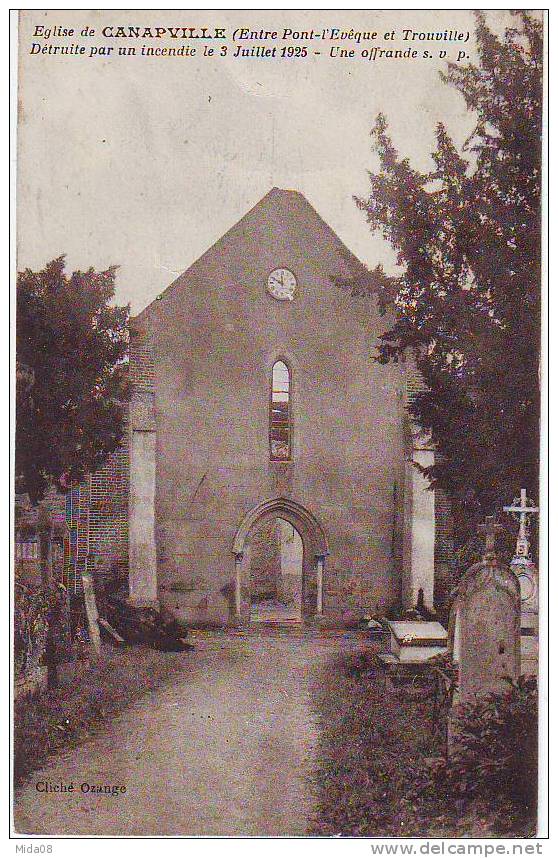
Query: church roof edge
x=275, y=191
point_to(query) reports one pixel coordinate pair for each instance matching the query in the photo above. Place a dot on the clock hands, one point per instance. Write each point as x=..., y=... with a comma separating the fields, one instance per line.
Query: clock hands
x=282, y=284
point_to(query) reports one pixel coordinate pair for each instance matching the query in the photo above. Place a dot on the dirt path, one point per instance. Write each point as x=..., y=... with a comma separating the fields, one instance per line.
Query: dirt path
x=223, y=750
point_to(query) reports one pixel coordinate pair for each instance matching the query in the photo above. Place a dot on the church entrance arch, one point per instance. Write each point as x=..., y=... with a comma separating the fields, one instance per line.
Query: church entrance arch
x=314, y=551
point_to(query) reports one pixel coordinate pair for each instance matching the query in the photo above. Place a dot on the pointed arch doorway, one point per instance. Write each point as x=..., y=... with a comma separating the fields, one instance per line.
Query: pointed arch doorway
x=285, y=517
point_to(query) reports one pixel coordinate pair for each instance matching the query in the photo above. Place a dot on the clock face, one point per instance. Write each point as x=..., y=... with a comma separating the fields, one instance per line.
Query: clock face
x=281, y=283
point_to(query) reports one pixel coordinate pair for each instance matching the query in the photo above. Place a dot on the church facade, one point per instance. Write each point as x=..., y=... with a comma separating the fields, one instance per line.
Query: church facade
x=256, y=398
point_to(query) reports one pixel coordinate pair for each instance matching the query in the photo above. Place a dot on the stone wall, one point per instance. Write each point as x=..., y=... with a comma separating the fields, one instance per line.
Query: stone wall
x=215, y=335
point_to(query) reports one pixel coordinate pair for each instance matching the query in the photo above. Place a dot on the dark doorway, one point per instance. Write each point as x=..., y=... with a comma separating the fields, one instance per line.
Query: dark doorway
x=276, y=562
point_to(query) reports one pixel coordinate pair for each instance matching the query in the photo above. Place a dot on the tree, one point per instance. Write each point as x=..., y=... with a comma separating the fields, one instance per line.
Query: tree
x=467, y=237
x=71, y=343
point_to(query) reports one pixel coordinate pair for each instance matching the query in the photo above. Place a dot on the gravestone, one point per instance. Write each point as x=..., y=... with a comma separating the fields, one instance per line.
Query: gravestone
x=484, y=629
x=526, y=572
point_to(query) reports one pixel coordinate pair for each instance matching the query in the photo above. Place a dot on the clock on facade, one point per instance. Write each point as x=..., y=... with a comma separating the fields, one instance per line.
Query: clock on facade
x=281, y=283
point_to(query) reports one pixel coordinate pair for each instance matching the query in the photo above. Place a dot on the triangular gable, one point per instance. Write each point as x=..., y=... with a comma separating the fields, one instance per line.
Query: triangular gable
x=238, y=229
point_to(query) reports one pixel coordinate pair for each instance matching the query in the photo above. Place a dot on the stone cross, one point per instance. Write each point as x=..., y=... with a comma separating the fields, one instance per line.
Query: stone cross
x=489, y=529
x=524, y=568
x=522, y=508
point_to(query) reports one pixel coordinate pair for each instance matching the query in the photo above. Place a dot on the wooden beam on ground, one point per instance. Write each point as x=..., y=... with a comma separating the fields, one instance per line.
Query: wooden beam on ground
x=91, y=611
x=112, y=632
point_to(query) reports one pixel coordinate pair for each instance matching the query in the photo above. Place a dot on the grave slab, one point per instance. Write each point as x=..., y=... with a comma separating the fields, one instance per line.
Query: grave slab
x=415, y=641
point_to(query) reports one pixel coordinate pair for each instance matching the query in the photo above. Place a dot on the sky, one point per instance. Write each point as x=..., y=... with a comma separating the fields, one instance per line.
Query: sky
x=145, y=162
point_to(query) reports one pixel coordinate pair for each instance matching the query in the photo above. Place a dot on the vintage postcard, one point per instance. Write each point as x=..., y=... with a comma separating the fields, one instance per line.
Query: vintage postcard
x=276, y=492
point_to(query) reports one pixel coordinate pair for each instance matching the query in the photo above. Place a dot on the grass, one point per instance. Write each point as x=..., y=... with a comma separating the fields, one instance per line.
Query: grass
x=376, y=755
x=51, y=721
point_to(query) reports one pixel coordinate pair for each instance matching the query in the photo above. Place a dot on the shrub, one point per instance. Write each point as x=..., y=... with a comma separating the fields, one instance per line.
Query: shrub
x=496, y=749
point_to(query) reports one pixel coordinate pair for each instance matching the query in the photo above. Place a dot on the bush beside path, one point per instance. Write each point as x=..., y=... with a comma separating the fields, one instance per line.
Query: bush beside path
x=378, y=764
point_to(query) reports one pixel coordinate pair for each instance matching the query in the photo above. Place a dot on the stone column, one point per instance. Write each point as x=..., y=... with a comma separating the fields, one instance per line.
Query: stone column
x=142, y=547
x=319, y=584
x=420, y=526
x=238, y=586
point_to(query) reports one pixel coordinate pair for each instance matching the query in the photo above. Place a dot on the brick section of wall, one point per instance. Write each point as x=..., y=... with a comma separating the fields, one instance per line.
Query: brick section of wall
x=108, y=513
x=97, y=509
x=97, y=522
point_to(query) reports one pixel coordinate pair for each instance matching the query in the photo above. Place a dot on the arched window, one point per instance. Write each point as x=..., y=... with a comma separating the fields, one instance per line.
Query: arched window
x=280, y=413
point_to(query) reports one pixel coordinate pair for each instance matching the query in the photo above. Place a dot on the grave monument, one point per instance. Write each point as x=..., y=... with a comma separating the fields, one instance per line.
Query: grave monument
x=525, y=570
x=484, y=628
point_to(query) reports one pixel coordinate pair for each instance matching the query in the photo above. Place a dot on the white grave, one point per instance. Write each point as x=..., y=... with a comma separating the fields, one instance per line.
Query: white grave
x=415, y=641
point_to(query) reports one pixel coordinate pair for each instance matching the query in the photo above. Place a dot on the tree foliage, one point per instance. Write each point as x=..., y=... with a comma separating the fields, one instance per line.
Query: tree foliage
x=71, y=379
x=467, y=237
